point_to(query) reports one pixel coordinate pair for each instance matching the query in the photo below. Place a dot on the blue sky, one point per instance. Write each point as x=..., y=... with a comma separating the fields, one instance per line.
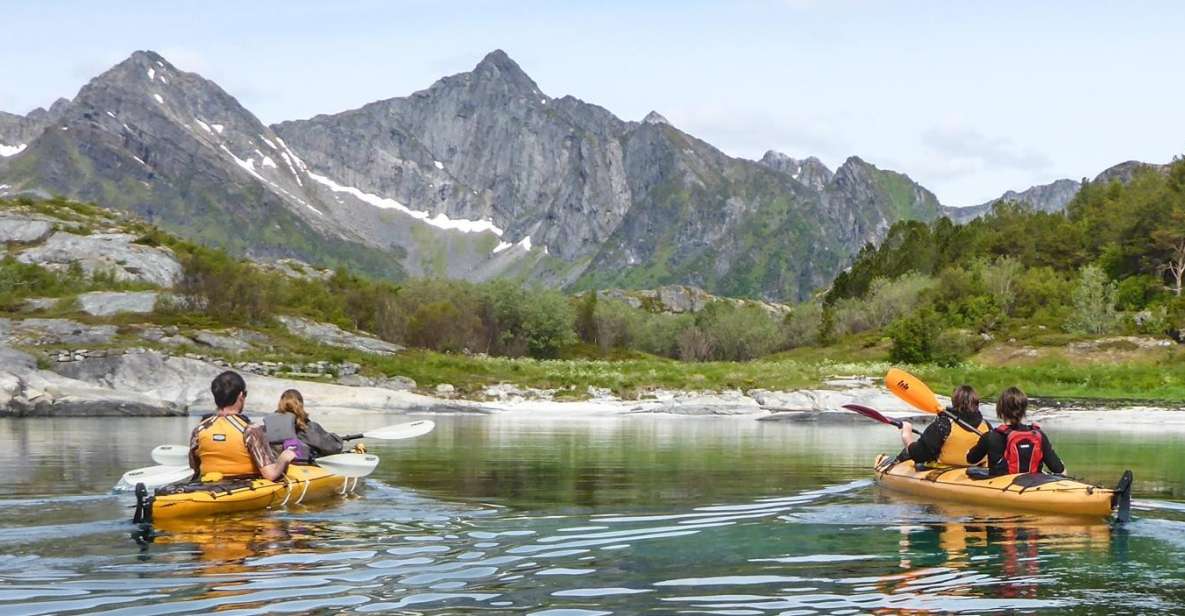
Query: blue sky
x=970, y=99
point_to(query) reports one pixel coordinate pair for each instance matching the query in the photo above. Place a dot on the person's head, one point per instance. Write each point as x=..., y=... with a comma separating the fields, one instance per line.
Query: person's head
x=230, y=391
x=965, y=400
x=1012, y=405
x=292, y=402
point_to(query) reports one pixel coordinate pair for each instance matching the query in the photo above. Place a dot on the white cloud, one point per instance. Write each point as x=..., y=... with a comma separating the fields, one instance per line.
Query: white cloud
x=965, y=144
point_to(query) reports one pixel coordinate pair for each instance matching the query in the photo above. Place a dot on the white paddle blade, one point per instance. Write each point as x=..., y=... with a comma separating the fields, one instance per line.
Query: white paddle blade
x=171, y=455
x=153, y=477
x=410, y=429
x=349, y=464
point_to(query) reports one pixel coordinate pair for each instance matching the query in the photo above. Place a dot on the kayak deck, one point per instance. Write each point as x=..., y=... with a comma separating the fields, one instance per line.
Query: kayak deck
x=1023, y=491
x=302, y=484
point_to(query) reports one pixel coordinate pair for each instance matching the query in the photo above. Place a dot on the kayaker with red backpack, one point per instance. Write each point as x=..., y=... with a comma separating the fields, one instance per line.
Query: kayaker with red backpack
x=1014, y=447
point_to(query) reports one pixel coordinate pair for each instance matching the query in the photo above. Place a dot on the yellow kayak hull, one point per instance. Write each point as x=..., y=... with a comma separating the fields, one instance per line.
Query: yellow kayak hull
x=1024, y=492
x=304, y=484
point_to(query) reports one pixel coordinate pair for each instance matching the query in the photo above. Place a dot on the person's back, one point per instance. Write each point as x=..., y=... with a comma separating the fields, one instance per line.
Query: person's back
x=291, y=422
x=951, y=435
x=226, y=444
x=1014, y=447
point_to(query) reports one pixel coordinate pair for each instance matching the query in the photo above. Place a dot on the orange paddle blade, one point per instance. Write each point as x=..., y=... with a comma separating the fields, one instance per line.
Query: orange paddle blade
x=912, y=390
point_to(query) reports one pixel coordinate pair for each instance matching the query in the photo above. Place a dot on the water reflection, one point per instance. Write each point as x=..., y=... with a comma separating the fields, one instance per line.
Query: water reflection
x=609, y=516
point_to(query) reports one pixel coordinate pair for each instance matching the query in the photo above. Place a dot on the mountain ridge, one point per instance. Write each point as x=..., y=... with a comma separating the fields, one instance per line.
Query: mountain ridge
x=479, y=175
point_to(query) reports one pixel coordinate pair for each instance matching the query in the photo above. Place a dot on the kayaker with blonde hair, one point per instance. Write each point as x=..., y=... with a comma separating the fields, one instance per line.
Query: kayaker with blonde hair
x=951, y=435
x=1014, y=447
x=290, y=426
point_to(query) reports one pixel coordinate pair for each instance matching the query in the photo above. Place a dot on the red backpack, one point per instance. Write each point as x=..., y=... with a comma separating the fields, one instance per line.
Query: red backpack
x=1022, y=448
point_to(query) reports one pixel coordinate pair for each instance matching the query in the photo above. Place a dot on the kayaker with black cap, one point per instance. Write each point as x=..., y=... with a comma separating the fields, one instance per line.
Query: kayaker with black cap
x=1014, y=447
x=951, y=435
x=226, y=444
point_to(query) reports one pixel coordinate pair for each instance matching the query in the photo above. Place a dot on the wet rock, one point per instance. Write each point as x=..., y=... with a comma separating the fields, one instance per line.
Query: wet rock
x=105, y=303
x=332, y=335
x=106, y=252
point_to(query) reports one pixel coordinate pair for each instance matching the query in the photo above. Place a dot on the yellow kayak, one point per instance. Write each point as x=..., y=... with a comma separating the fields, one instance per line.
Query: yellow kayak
x=302, y=484
x=1023, y=491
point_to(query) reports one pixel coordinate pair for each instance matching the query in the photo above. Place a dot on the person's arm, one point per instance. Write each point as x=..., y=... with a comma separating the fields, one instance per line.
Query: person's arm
x=269, y=465
x=322, y=441
x=195, y=462
x=979, y=451
x=1049, y=456
x=929, y=444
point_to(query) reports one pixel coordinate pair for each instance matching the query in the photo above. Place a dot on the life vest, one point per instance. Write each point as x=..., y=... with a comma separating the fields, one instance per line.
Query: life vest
x=222, y=447
x=959, y=442
x=1023, y=451
x=281, y=432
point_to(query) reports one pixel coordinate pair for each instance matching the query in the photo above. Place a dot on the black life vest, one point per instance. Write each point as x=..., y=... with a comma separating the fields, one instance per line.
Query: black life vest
x=1023, y=449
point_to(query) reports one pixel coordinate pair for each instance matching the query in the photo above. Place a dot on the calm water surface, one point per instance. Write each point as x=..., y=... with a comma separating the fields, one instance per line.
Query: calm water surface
x=585, y=516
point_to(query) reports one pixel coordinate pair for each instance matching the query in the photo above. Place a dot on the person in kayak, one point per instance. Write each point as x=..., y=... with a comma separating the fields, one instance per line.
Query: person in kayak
x=227, y=444
x=290, y=426
x=1014, y=447
x=951, y=435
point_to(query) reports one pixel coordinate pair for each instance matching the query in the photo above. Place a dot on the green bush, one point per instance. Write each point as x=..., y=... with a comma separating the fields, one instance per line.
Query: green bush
x=915, y=337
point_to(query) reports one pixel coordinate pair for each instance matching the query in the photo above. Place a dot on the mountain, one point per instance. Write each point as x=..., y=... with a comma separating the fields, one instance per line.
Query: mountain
x=1052, y=197
x=810, y=170
x=480, y=175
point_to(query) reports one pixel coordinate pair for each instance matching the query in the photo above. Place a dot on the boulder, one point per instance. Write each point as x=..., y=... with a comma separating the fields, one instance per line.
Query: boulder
x=107, y=252
x=26, y=391
x=105, y=303
x=23, y=230
x=221, y=342
x=332, y=335
x=35, y=304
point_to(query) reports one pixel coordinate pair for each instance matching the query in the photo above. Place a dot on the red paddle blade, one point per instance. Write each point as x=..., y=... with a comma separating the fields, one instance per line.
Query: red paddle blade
x=872, y=413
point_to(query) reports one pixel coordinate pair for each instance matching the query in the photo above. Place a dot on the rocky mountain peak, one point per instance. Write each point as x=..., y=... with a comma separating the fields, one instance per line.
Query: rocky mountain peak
x=498, y=66
x=810, y=171
x=655, y=117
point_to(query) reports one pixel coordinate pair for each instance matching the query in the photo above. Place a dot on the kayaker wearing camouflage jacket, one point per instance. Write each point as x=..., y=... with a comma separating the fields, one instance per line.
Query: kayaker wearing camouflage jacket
x=227, y=444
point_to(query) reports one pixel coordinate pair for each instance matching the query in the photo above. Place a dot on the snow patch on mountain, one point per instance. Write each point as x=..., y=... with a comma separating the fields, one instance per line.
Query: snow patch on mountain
x=12, y=150
x=440, y=221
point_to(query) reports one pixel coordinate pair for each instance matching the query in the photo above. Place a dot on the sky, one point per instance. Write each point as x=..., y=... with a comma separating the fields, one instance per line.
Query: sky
x=968, y=98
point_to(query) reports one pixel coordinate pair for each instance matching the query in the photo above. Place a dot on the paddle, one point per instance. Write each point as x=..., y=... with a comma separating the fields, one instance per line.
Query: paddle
x=173, y=460
x=876, y=415
x=912, y=390
x=153, y=477
x=349, y=464
x=410, y=429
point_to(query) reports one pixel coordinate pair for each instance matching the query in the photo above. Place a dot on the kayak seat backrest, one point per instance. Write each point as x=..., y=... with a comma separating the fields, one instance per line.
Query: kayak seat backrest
x=979, y=472
x=279, y=427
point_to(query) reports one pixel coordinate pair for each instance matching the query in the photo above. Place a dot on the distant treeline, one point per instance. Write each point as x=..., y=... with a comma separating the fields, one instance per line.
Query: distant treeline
x=1114, y=261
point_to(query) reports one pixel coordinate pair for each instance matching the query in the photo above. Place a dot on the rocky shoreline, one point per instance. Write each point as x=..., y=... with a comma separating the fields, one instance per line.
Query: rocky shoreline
x=151, y=383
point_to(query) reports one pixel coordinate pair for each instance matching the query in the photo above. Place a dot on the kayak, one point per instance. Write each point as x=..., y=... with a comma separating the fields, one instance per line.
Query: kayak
x=301, y=484
x=1022, y=491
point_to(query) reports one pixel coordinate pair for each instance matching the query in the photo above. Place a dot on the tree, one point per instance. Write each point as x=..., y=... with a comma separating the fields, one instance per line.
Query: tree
x=1000, y=279
x=1169, y=237
x=1094, y=302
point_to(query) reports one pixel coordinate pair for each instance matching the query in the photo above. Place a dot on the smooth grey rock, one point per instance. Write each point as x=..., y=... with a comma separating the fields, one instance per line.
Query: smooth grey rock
x=106, y=252
x=34, y=304
x=332, y=335
x=105, y=303
x=39, y=332
x=23, y=230
x=221, y=341
x=445, y=389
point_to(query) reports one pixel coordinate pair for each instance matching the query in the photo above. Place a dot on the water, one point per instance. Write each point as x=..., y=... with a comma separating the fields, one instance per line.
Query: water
x=585, y=516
